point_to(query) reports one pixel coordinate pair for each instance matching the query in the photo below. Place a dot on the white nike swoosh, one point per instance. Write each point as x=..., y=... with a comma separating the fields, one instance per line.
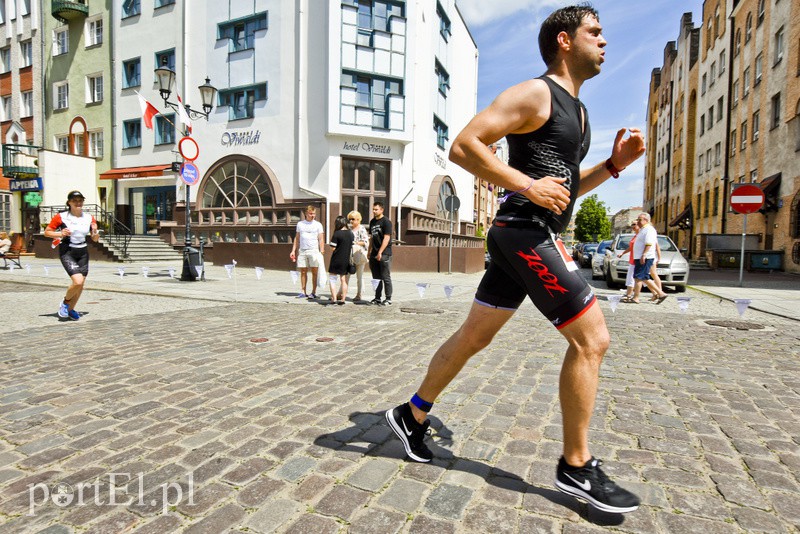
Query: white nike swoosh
x=585, y=485
x=405, y=428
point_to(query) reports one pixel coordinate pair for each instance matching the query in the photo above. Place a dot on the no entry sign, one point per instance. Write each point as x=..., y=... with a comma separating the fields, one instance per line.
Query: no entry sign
x=747, y=198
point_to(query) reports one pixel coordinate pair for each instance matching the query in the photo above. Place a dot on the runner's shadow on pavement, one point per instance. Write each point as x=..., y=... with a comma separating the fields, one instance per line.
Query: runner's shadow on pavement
x=370, y=435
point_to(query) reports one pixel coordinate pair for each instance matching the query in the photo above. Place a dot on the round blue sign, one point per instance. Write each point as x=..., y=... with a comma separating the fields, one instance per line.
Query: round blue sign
x=190, y=174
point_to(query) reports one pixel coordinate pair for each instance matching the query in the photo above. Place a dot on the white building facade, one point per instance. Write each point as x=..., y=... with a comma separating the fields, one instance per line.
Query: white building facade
x=337, y=105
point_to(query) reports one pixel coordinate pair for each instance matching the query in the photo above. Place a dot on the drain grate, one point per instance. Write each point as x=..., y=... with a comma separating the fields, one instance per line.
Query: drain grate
x=422, y=311
x=736, y=325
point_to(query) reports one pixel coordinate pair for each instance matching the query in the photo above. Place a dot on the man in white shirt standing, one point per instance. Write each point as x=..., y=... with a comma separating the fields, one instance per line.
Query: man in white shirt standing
x=309, y=236
x=644, y=254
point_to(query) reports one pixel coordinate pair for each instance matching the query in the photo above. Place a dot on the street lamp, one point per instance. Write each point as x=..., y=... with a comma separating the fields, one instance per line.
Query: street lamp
x=166, y=78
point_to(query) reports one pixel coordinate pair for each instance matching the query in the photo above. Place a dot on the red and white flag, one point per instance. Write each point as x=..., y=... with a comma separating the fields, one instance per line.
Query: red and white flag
x=185, y=119
x=148, y=111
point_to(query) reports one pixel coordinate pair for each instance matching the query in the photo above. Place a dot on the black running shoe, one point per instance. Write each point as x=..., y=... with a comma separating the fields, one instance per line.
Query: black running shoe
x=593, y=485
x=411, y=433
x=375, y=302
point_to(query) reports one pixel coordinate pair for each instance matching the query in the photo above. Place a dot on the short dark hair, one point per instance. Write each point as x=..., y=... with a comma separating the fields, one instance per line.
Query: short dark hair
x=340, y=223
x=378, y=204
x=567, y=19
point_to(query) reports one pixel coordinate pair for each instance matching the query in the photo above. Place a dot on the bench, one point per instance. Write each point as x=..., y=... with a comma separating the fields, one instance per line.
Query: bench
x=12, y=256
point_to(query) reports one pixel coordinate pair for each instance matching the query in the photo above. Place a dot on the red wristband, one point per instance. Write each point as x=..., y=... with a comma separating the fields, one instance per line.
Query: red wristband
x=612, y=169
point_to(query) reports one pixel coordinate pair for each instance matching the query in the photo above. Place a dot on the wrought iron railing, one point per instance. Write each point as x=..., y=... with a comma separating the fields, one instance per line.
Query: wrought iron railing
x=20, y=161
x=113, y=231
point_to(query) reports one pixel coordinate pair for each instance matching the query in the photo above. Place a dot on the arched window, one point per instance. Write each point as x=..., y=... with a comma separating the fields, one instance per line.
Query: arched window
x=748, y=28
x=716, y=22
x=794, y=224
x=761, y=9
x=738, y=46
x=445, y=190
x=237, y=183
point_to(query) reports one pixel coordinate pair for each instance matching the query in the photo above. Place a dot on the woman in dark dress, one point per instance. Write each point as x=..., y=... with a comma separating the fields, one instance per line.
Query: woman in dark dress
x=342, y=243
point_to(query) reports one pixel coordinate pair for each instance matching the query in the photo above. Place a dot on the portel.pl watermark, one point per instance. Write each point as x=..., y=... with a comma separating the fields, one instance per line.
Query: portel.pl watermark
x=113, y=489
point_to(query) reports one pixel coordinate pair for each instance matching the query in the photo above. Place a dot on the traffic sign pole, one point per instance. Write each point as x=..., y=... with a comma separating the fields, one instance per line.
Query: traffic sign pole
x=741, y=258
x=747, y=198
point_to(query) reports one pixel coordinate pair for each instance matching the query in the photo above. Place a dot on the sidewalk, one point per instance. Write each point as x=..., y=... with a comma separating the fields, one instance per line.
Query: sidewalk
x=774, y=293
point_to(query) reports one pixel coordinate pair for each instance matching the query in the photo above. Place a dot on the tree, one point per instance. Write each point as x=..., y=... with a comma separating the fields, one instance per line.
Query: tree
x=591, y=221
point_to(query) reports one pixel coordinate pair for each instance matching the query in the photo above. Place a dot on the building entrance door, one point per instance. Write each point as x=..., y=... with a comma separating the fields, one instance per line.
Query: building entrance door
x=150, y=205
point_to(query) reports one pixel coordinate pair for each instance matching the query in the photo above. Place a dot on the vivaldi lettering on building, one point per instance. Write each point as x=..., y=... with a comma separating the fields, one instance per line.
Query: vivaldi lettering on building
x=251, y=137
x=367, y=148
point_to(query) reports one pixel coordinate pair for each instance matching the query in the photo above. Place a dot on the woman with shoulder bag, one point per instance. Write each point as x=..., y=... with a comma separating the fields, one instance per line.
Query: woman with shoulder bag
x=342, y=243
x=360, y=244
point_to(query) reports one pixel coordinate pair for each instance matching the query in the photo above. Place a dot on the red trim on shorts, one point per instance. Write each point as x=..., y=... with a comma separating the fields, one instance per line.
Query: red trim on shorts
x=594, y=299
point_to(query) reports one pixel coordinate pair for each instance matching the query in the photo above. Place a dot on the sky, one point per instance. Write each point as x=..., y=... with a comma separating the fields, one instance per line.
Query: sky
x=637, y=31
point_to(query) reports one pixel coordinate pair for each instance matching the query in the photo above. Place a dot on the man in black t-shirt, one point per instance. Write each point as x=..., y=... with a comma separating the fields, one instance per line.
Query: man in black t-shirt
x=380, y=254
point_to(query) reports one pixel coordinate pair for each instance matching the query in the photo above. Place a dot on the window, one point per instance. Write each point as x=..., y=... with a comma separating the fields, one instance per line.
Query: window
x=744, y=136
x=62, y=143
x=444, y=23
x=713, y=76
x=5, y=108
x=241, y=32
x=131, y=73
x=738, y=46
x=162, y=3
x=132, y=133
x=131, y=8
x=748, y=28
x=94, y=31
x=5, y=208
x=443, y=78
x=779, y=46
x=364, y=182
x=761, y=9
x=61, y=95
x=759, y=69
x=26, y=102
x=722, y=60
x=376, y=94
x=60, y=41
x=709, y=34
x=700, y=167
x=716, y=22
x=775, y=119
x=717, y=154
x=166, y=58
x=735, y=96
x=94, y=89
x=376, y=15
x=96, y=144
x=755, y=126
x=26, y=51
x=702, y=124
x=753, y=175
x=720, y=107
x=708, y=159
x=703, y=85
x=80, y=145
x=733, y=142
x=746, y=82
x=241, y=100
x=441, y=132
x=716, y=201
x=699, y=204
x=710, y=117
x=5, y=59
x=705, y=207
x=165, y=131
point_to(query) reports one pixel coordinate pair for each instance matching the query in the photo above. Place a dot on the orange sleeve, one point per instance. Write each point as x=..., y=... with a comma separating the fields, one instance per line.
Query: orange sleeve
x=55, y=222
x=94, y=221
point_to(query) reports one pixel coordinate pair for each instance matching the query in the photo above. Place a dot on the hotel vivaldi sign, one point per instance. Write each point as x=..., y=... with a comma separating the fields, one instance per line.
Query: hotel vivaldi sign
x=250, y=137
x=367, y=148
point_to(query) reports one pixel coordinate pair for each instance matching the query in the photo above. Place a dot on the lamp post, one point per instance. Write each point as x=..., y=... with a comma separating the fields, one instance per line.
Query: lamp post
x=166, y=78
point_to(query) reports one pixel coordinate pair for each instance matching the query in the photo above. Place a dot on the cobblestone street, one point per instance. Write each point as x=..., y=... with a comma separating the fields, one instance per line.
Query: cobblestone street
x=172, y=410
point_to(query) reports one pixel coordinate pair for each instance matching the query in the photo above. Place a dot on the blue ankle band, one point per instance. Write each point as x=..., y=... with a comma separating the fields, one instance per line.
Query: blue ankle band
x=425, y=406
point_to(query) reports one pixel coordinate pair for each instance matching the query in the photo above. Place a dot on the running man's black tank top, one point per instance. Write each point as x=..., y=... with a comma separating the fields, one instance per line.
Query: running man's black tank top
x=556, y=149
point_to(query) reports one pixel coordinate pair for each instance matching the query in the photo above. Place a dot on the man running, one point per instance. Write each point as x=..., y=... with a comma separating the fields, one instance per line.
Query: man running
x=548, y=135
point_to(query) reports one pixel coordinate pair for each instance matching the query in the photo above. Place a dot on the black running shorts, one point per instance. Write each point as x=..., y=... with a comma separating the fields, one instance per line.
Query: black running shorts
x=76, y=261
x=525, y=261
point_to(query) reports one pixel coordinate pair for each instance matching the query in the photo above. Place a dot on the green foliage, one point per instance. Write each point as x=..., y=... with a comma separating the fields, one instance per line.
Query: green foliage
x=591, y=221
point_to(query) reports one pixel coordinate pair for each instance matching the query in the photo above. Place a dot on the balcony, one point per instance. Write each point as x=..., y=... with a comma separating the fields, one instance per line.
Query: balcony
x=20, y=161
x=66, y=10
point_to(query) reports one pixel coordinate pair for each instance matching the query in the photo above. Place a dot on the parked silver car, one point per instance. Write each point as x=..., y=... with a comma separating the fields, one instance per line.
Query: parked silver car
x=598, y=257
x=673, y=269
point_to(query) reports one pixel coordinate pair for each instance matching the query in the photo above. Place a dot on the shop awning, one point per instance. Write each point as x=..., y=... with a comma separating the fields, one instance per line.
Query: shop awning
x=770, y=186
x=684, y=218
x=135, y=172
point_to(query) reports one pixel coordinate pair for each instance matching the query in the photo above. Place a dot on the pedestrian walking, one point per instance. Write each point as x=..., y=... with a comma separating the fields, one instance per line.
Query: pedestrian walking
x=342, y=243
x=629, y=277
x=380, y=254
x=644, y=254
x=309, y=238
x=360, y=250
x=548, y=135
x=70, y=228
